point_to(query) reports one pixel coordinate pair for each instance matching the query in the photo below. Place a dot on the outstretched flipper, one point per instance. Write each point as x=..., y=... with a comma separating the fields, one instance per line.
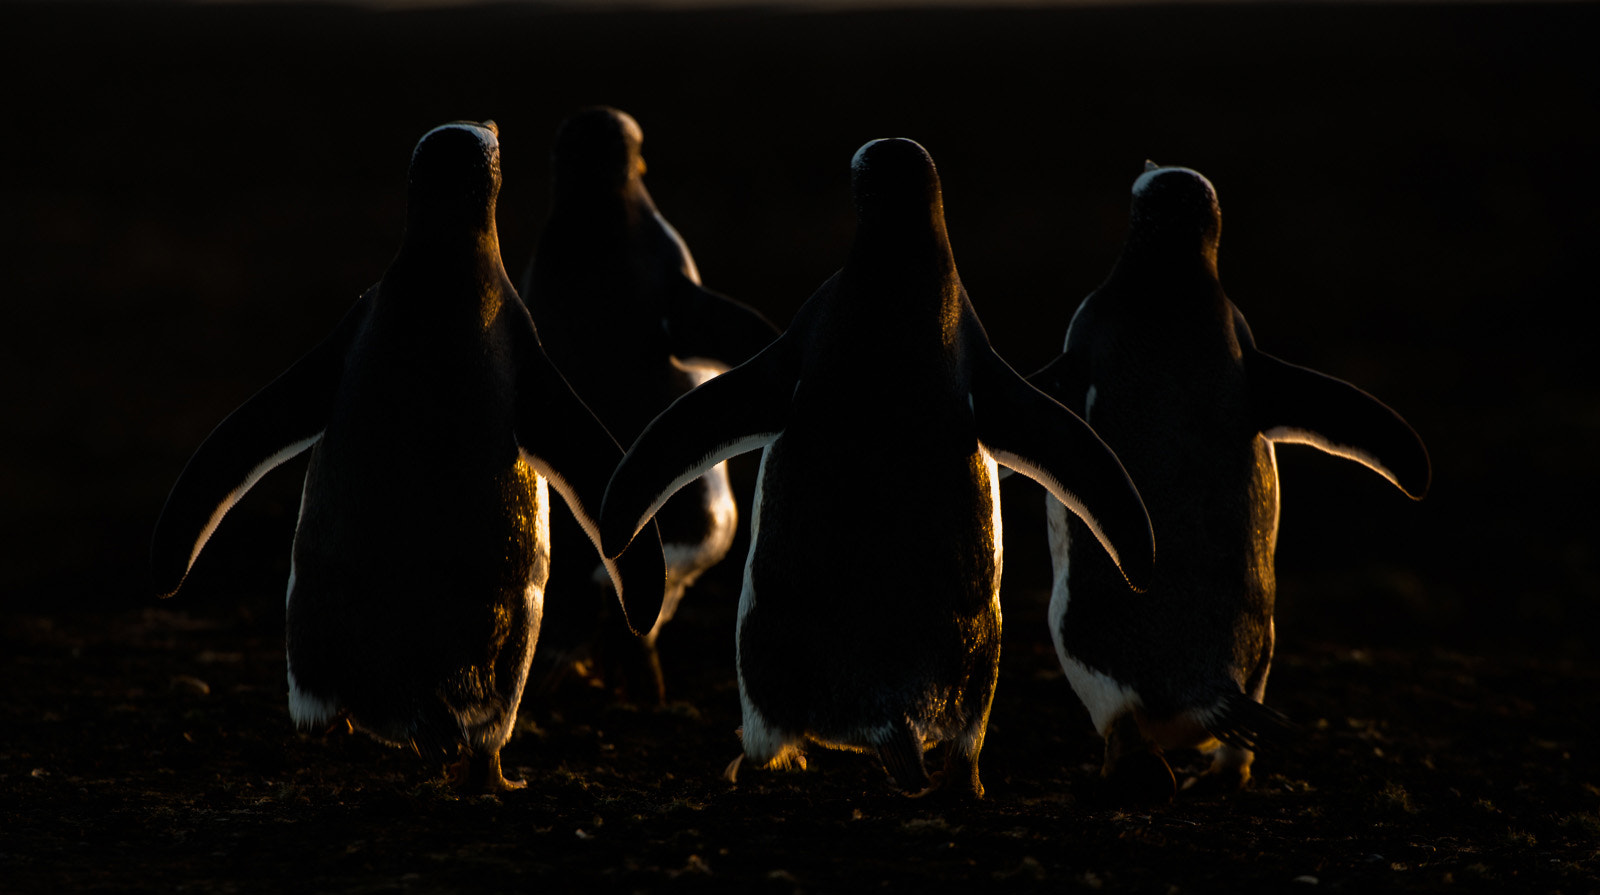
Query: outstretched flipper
x=707, y=326
x=1296, y=405
x=741, y=410
x=564, y=442
x=1028, y=431
x=279, y=422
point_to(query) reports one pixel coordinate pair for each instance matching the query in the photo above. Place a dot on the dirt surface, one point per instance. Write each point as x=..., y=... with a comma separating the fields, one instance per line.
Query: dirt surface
x=152, y=750
x=194, y=194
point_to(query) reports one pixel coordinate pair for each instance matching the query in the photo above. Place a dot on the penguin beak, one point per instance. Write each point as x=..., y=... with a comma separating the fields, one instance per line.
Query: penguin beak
x=1150, y=166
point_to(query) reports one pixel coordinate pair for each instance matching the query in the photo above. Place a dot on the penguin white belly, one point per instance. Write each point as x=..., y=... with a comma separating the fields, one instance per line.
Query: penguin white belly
x=763, y=742
x=686, y=561
x=305, y=709
x=1105, y=697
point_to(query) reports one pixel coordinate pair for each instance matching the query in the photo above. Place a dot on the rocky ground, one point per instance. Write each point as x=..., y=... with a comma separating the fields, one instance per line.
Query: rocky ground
x=151, y=750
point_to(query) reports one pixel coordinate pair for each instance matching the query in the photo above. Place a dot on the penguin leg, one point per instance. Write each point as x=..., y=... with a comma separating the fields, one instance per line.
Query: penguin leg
x=901, y=754
x=961, y=765
x=766, y=746
x=653, y=683
x=1135, y=770
x=477, y=771
x=480, y=773
x=961, y=757
x=1229, y=772
x=1230, y=765
x=796, y=761
x=630, y=664
x=645, y=667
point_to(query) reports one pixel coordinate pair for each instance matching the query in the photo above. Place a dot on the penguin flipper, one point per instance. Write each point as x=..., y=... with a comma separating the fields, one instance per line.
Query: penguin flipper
x=1028, y=431
x=707, y=326
x=277, y=423
x=1063, y=379
x=1296, y=405
x=566, y=443
x=741, y=410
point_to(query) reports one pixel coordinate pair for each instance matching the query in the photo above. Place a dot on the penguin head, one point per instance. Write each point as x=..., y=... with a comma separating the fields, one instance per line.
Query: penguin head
x=901, y=247
x=597, y=148
x=454, y=179
x=894, y=181
x=1175, y=208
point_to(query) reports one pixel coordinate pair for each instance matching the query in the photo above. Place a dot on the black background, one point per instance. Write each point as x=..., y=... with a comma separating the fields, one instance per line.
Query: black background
x=195, y=194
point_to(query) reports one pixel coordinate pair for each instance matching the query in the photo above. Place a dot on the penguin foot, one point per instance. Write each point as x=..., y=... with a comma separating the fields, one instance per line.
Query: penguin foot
x=481, y=775
x=1229, y=773
x=964, y=788
x=341, y=726
x=901, y=754
x=790, y=761
x=961, y=770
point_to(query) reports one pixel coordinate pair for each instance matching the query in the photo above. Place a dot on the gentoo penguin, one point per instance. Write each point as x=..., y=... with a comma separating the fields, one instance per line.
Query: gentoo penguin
x=616, y=295
x=1165, y=369
x=870, y=614
x=436, y=424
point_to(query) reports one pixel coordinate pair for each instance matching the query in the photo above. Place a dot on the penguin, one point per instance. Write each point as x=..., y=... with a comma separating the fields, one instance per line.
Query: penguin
x=437, y=426
x=1166, y=370
x=869, y=618
x=615, y=291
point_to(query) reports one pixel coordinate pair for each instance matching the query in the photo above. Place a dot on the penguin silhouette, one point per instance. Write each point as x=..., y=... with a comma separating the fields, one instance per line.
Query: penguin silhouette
x=1165, y=369
x=617, y=297
x=870, y=615
x=436, y=426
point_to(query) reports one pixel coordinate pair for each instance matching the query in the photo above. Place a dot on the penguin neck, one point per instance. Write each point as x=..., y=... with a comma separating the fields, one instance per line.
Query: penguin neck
x=600, y=206
x=435, y=265
x=901, y=247
x=905, y=280
x=1166, y=261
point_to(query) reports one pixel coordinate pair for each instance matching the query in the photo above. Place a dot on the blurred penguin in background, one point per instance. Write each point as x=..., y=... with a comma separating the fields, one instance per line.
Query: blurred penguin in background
x=617, y=297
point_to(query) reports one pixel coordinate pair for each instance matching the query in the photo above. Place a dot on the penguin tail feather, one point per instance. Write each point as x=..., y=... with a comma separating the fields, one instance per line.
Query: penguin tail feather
x=901, y=754
x=1243, y=723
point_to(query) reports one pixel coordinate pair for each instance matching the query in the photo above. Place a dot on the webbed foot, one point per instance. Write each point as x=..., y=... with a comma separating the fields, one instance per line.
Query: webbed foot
x=481, y=775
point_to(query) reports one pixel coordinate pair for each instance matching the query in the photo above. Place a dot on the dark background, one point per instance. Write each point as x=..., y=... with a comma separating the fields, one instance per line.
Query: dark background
x=191, y=196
